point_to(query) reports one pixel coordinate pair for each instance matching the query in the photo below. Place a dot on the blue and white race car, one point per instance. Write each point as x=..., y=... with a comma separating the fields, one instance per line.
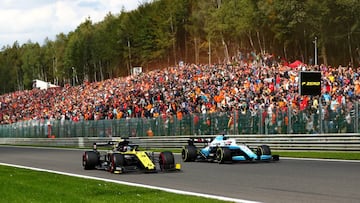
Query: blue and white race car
x=222, y=149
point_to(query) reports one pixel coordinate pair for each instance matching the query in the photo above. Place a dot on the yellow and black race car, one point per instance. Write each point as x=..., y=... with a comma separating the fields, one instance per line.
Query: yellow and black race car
x=125, y=157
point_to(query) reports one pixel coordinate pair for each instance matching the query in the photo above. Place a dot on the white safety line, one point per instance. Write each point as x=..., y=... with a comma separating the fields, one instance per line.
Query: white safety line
x=136, y=184
x=317, y=159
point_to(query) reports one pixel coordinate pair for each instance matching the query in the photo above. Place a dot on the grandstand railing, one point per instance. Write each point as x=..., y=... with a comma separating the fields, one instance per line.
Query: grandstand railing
x=231, y=123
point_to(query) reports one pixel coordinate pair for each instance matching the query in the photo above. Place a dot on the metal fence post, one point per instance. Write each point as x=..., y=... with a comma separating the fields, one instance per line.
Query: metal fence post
x=289, y=129
x=356, y=117
x=261, y=125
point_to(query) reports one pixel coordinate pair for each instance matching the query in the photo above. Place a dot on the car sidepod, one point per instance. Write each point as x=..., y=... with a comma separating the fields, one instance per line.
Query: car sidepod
x=146, y=161
x=242, y=153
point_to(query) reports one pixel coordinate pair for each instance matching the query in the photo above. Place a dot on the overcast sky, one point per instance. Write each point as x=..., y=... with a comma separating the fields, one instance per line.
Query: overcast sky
x=23, y=20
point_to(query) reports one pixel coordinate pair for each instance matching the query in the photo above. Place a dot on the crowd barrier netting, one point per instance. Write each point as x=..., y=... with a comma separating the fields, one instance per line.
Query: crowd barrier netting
x=236, y=122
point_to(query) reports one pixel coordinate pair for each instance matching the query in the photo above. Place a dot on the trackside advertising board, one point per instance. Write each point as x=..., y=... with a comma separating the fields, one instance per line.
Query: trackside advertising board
x=310, y=83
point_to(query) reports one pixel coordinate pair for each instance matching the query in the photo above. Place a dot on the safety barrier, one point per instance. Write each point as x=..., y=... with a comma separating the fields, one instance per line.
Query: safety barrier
x=302, y=142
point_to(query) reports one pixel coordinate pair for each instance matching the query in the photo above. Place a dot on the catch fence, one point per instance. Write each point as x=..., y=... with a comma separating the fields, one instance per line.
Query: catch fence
x=238, y=122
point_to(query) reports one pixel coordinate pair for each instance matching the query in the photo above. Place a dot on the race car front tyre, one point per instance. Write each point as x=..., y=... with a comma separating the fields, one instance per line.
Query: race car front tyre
x=116, y=160
x=166, y=160
x=223, y=155
x=188, y=153
x=90, y=160
x=263, y=150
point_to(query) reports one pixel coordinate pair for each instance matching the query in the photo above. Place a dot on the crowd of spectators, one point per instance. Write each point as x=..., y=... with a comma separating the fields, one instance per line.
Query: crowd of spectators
x=248, y=84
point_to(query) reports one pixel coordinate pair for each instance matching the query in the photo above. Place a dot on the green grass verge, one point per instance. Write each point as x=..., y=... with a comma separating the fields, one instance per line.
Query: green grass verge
x=320, y=155
x=23, y=185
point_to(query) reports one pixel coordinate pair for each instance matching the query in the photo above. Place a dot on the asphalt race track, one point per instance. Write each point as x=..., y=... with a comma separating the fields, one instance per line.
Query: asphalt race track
x=289, y=180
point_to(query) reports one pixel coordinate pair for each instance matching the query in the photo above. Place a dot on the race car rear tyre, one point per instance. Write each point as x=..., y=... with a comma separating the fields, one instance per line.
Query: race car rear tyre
x=116, y=160
x=263, y=150
x=188, y=153
x=90, y=160
x=166, y=160
x=223, y=155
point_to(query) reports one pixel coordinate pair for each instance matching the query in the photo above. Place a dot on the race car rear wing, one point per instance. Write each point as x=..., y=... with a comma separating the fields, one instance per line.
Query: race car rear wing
x=204, y=140
x=108, y=144
x=114, y=144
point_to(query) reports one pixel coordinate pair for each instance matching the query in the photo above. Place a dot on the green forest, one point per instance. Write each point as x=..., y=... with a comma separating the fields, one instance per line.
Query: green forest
x=161, y=33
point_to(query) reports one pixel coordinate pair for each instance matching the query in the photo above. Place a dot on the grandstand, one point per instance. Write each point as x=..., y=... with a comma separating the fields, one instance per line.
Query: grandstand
x=246, y=96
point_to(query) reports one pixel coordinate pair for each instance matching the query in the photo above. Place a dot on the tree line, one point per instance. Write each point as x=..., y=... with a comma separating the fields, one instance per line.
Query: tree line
x=163, y=32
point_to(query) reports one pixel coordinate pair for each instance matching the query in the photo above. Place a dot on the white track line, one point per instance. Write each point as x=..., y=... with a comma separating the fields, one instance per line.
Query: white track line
x=136, y=184
x=316, y=159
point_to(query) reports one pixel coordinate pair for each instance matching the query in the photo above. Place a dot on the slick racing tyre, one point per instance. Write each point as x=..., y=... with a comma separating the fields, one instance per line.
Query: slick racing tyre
x=223, y=155
x=166, y=160
x=90, y=160
x=188, y=153
x=116, y=160
x=263, y=150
